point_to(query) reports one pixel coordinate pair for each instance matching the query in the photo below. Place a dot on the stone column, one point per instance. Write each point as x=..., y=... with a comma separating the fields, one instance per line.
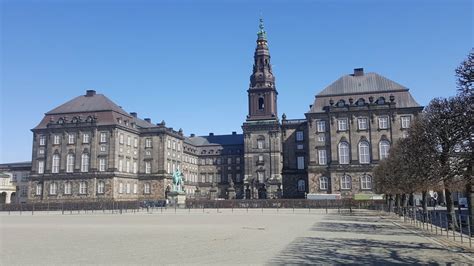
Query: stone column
x=8, y=197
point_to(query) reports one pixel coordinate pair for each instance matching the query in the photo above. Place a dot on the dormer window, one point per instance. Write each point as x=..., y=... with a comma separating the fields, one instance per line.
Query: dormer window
x=341, y=103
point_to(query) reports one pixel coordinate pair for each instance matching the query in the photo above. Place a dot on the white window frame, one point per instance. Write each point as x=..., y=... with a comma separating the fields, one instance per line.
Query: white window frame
x=135, y=188
x=129, y=141
x=366, y=182
x=300, y=163
x=100, y=187
x=40, y=167
x=323, y=183
x=85, y=138
x=53, y=188
x=362, y=123
x=148, y=143
x=56, y=139
x=103, y=137
x=85, y=162
x=364, y=152
x=301, y=185
x=343, y=152
x=405, y=121
x=299, y=136
x=55, y=163
x=102, y=163
x=383, y=122
x=346, y=182
x=321, y=126
x=127, y=186
x=135, y=166
x=39, y=189
x=83, y=187
x=384, y=150
x=147, y=188
x=70, y=163
x=121, y=138
x=70, y=138
x=42, y=140
x=135, y=142
x=322, y=137
x=67, y=188
x=120, y=188
x=322, y=157
x=147, y=167
x=342, y=124
x=260, y=144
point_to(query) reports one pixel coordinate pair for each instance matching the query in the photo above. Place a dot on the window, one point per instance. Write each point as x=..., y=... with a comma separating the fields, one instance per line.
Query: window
x=300, y=162
x=102, y=164
x=322, y=158
x=261, y=104
x=127, y=166
x=70, y=163
x=24, y=191
x=128, y=188
x=103, y=148
x=148, y=143
x=85, y=162
x=405, y=121
x=129, y=141
x=362, y=123
x=366, y=182
x=146, y=188
x=299, y=135
x=174, y=145
x=40, y=167
x=56, y=139
x=120, y=190
x=301, y=185
x=53, y=188
x=67, y=188
x=121, y=138
x=39, y=189
x=237, y=177
x=237, y=160
x=42, y=140
x=211, y=178
x=323, y=183
x=384, y=148
x=148, y=153
x=179, y=146
x=322, y=137
x=135, y=188
x=55, y=166
x=85, y=138
x=135, y=167
x=83, y=187
x=70, y=139
x=41, y=151
x=346, y=182
x=383, y=122
x=260, y=144
x=364, y=153
x=342, y=124
x=148, y=167
x=343, y=153
x=135, y=142
x=321, y=126
x=229, y=160
x=100, y=187
x=169, y=144
x=103, y=137
x=120, y=166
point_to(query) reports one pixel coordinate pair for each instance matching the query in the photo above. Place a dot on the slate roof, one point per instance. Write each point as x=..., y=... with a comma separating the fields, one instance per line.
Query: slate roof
x=233, y=139
x=83, y=104
x=369, y=82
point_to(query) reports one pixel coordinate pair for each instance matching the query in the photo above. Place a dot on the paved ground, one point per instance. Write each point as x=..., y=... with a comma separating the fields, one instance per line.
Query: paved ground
x=212, y=237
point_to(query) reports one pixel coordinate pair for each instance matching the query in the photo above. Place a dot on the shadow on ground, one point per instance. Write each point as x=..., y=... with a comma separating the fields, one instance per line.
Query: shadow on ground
x=359, y=228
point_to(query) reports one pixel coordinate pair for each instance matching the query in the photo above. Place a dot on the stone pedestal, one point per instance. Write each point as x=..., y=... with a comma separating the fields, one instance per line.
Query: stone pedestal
x=231, y=193
x=213, y=193
x=177, y=199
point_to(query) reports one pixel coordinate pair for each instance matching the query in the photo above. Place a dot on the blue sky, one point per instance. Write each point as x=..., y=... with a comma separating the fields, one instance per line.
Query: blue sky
x=189, y=62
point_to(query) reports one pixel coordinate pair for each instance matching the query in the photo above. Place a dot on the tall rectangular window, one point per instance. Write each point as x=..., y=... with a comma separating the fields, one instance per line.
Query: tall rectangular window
x=67, y=188
x=147, y=167
x=85, y=138
x=42, y=140
x=129, y=141
x=260, y=144
x=82, y=187
x=70, y=138
x=342, y=124
x=100, y=187
x=135, y=142
x=237, y=177
x=39, y=189
x=146, y=188
x=70, y=163
x=127, y=166
x=299, y=135
x=321, y=126
x=120, y=166
x=121, y=138
x=56, y=139
x=41, y=167
x=120, y=189
x=101, y=164
x=383, y=122
x=229, y=160
x=322, y=158
x=103, y=137
x=237, y=160
x=128, y=188
x=362, y=123
x=135, y=188
x=300, y=162
x=405, y=121
x=55, y=165
x=148, y=143
x=85, y=163
x=135, y=166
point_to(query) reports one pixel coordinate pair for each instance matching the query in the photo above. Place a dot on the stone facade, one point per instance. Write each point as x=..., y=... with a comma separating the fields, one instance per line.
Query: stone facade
x=19, y=181
x=91, y=149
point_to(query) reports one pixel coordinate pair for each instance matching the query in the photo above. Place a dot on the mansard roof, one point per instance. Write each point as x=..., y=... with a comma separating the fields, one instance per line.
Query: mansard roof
x=233, y=139
x=91, y=102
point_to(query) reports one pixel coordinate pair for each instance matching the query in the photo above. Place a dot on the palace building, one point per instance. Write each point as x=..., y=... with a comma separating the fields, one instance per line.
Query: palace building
x=90, y=148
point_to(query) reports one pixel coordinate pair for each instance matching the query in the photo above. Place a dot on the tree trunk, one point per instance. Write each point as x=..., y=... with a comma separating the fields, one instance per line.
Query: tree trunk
x=398, y=203
x=450, y=210
x=390, y=203
x=411, y=200
x=425, y=200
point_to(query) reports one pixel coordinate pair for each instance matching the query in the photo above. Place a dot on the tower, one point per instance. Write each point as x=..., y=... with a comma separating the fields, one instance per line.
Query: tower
x=262, y=129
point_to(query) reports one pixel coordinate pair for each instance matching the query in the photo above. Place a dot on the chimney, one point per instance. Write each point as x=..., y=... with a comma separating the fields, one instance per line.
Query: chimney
x=148, y=120
x=133, y=114
x=211, y=134
x=234, y=133
x=358, y=72
x=193, y=135
x=90, y=93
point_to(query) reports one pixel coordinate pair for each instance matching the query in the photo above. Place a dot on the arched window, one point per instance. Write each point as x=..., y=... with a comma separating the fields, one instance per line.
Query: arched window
x=55, y=166
x=120, y=188
x=67, y=188
x=343, y=153
x=85, y=162
x=260, y=142
x=100, y=187
x=366, y=182
x=70, y=163
x=301, y=185
x=384, y=148
x=146, y=188
x=53, y=188
x=323, y=183
x=261, y=104
x=364, y=153
x=346, y=182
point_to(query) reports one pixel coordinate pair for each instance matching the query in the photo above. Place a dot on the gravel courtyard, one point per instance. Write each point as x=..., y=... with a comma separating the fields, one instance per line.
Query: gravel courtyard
x=214, y=237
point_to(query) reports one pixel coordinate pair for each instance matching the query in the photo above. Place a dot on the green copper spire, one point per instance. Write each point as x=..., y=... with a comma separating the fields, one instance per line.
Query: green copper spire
x=262, y=35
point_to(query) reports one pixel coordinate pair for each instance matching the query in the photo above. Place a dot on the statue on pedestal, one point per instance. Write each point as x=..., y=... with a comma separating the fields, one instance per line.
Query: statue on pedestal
x=177, y=181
